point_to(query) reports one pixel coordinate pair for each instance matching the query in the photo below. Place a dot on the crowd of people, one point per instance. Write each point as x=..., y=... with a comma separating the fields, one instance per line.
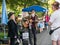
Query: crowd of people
x=32, y=23
x=43, y=22
x=27, y=22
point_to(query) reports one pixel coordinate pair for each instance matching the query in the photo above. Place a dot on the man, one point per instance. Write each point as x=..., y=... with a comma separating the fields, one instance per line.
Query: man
x=33, y=26
x=54, y=23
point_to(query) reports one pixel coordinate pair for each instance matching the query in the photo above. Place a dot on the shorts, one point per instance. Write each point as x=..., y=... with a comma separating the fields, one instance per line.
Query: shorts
x=56, y=35
x=46, y=24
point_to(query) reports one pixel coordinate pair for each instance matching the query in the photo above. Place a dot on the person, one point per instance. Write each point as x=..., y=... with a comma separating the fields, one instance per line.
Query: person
x=54, y=22
x=25, y=30
x=33, y=20
x=44, y=22
x=25, y=14
x=12, y=28
x=41, y=25
x=47, y=17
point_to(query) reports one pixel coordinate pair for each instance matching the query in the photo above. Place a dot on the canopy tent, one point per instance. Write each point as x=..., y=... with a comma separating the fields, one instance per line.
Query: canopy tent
x=37, y=8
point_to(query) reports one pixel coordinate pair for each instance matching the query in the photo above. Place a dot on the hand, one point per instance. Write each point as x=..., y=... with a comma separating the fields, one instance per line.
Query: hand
x=15, y=36
x=31, y=20
x=49, y=23
x=18, y=40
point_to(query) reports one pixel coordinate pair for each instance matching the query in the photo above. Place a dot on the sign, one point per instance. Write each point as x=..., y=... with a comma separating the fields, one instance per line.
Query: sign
x=25, y=35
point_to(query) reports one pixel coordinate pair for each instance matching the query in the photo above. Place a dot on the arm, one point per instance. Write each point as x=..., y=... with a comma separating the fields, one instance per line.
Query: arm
x=49, y=23
x=36, y=18
x=13, y=29
x=52, y=19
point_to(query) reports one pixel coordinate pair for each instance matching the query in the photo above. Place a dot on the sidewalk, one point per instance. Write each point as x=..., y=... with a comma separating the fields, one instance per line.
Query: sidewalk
x=43, y=38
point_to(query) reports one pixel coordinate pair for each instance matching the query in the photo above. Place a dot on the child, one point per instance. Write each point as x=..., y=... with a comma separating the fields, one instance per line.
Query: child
x=41, y=25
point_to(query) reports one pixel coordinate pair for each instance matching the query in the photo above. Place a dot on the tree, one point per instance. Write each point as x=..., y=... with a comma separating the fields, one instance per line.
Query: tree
x=24, y=3
x=50, y=6
x=14, y=4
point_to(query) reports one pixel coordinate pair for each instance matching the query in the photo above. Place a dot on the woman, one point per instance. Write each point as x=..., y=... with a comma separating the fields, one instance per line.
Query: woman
x=55, y=23
x=46, y=20
x=12, y=28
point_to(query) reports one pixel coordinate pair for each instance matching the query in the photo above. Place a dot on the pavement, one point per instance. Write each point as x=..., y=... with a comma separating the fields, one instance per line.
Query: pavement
x=44, y=38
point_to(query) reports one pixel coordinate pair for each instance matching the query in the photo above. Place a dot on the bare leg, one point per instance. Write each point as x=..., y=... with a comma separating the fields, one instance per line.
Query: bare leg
x=58, y=42
x=41, y=29
x=54, y=42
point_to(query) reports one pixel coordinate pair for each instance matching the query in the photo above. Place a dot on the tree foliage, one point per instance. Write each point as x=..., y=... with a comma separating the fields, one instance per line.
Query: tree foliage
x=14, y=4
x=24, y=3
x=50, y=2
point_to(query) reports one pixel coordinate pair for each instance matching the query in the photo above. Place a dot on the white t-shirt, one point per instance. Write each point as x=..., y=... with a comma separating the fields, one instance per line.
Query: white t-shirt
x=55, y=19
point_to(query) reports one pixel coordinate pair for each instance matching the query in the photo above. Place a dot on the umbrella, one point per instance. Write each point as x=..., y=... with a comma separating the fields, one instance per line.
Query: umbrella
x=4, y=18
x=25, y=10
x=4, y=14
x=37, y=8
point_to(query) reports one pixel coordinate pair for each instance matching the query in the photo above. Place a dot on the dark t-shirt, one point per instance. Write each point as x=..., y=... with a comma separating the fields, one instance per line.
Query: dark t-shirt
x=34, y=20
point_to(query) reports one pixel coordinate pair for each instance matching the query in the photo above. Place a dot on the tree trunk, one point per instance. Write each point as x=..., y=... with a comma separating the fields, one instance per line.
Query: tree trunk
x=25, y=5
